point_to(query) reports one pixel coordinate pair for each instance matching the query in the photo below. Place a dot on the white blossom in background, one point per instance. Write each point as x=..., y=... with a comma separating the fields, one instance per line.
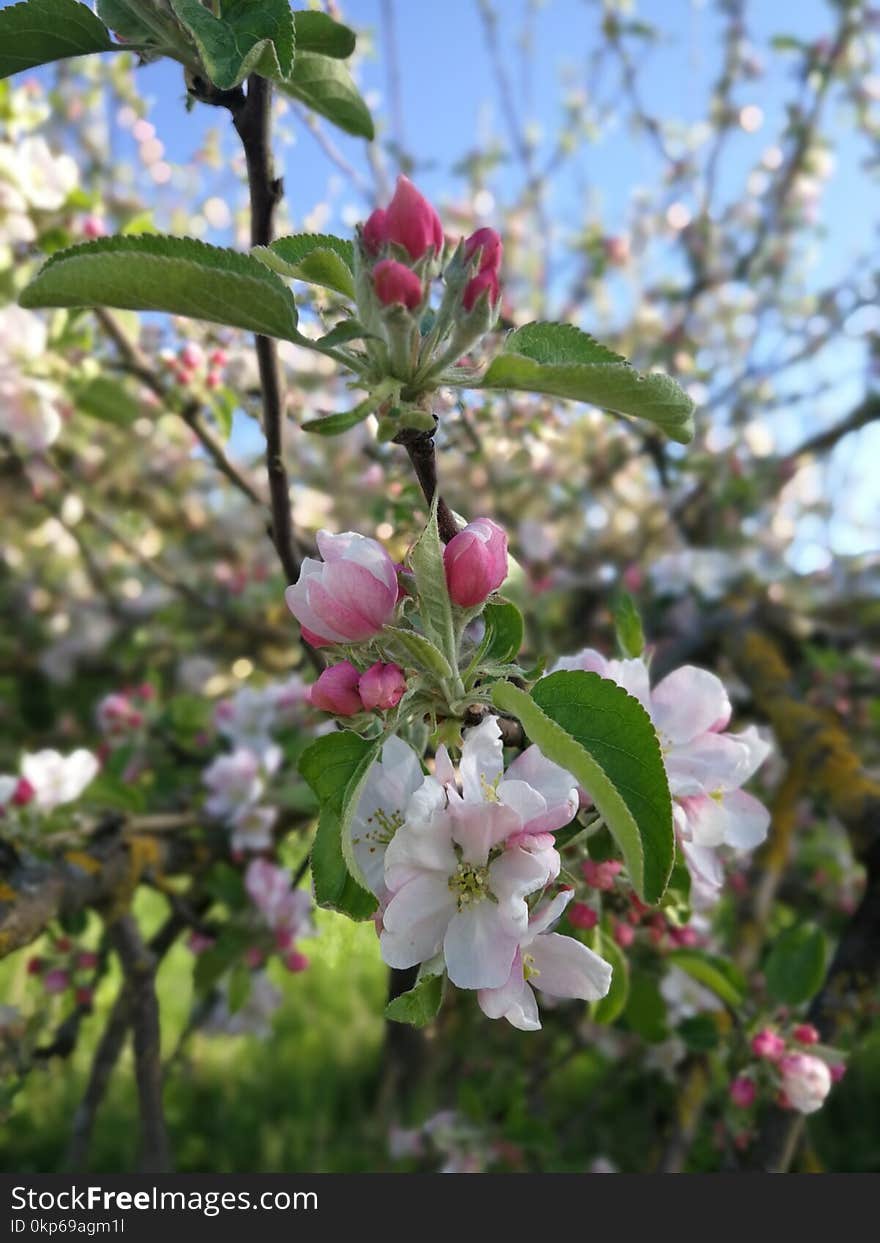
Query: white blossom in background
x=57, y=779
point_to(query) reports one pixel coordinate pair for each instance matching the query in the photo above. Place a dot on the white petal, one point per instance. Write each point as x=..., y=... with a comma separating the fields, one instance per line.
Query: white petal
x=558, y=788
x=566, y=968
x=708, y=764
x=415, y=921
x=546, y=914
x=689, y=702
x=512, y=877
x=478, y=950
x=381, y=808
x=747, y=820
x=707, y=875
x=418, y=848
x=482, y=760
x=477, y=827
x=514, y=1001
x=706, y=820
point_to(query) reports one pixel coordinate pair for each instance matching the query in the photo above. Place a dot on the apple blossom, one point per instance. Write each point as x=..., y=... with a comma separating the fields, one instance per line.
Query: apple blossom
x=743, y=1092
x=349, y=596
x=234, y=782
x=252, y=828
x=768, y=1044
x=56, y=981
x=475, y=561
x=556, y=965
x=582, y=916
x=489, y=245
x=395, y=283
x=485, y=282
x=805, y=1033
x=29, y=413
x=336, y=690
x=381, y=808
x=464, y=860
x=806, y=1081
x=286, y=910
x=382, y=686
x=57, y=779
x=409, y=221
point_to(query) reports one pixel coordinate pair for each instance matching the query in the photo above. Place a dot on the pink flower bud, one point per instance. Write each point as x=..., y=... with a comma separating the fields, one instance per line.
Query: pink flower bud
x=35, y=966
x=217, y=358
x=213, y=380
x=382, y=686
x=336, y=690
x=83, y=997
x=582, y=916
x=395, y=283
x=743, y=1092
x=192, y=356
x=198, y=943
x=768, y=1044
x=806, y=1081
x=296, y=961
x=486, y=281
x=838, y=1070
x=87, y=960
x=63, y=945
x=805, y=1033
x=24, y=793
x=489, y=244
x=475, y=561
x=601, y=875
x=93, y=226
x=254, y=957
x=624, y=935
x=349, y=596
x=376, y=231
x=411, y=221
x=55, y=981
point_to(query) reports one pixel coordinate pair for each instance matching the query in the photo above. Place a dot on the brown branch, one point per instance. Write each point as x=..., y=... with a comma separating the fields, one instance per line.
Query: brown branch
x=139, y=969
x=423, y=456
x=866, y=412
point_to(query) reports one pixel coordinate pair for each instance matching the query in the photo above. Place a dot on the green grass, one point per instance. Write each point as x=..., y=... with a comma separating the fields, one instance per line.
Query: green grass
x=302, y=1099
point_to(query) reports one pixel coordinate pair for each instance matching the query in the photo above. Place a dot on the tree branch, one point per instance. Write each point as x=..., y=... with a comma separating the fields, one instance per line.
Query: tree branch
x=423, y=456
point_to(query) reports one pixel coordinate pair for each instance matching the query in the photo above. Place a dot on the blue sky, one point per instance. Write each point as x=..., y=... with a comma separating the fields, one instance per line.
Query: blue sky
x=450, y=104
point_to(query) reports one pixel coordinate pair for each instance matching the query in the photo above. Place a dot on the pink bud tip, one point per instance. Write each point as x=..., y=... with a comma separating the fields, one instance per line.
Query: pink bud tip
x=63, y=945
x=376, y=231
x=624, y=935
x=411, y=221
x=485, y=282
x=24, y=793
x=768, y=1044
x=93, y=226
x=601, y=875
x=475, y=561
x=838, y=1070
x=336, y=690
x=295, y=961
x=192, y=356
x=382, y=687
x=198, y=943
x=743, y=1092
x=489, y=244
x=55, y=981
x=83, y=996
x=254, y=957
x=35, y=966
x=217, y=358
x=87, y=960
x=805, y=1033
x=396, y=284
x=582, y=916
x=315, y=640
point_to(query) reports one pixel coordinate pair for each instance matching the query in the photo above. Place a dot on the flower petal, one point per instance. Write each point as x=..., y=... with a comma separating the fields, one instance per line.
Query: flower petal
x=689, y=702
x=566, y=968
x=415, y=921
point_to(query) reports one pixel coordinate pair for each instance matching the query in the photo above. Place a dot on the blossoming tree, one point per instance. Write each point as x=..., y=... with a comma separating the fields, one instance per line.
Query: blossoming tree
x=524, y=829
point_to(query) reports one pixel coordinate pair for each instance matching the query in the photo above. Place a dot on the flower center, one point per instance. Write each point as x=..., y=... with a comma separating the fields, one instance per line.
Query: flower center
x=471, y=883
x=529, y=968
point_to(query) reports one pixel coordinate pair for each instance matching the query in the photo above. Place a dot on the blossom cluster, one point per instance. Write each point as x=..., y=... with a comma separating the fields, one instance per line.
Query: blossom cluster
x=47, y=780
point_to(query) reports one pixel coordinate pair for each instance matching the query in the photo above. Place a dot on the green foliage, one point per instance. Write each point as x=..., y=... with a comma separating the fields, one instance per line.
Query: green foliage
x=106, y=399
x=326, y=86
x=419, y=651
x=605, y=738
x=421, y=1004
x=318, y=258
x=609, y=1008
x=628, y=627
x=795, y=967
x=562, y=361
x=245, y=38
x=717, y=974
x=645, y=1012
x=316, y=32
x=435, y=607
x=41, y=31
x=173, y=274
x=336, y=766
x=337, y=424
x=504, y=632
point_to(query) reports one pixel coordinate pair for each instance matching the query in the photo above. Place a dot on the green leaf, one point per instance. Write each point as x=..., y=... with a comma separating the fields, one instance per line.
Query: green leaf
x=326, y=86
x=421, y=1004
x=562, y=361
x=435, y=607
x=605, y=738
x=109, y=791
x=645, y=1012
x=316, y=32
x=336, y=424
x=419, y=651
x=795, y=968
x=336, y=767
x=700, y=1032
x=719, y=976
x=41, y=31
x=317, y=258
x=504, y=632
x=612, y=1005
x=123, y=18
x=173, y=274
x=217, y=960
x=238, y=991
x=106, y=399
x=628, y=627
x=245, y=38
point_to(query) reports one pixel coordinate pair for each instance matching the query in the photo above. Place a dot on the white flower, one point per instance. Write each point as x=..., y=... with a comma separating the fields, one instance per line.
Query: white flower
x=234, y=781
x=806, y=1081
x=558, y=966
x=29, y=411
x=56, y=778
x=381, y=809
x=252, y=828
x=460, y=867
x=45, y=179
x=22, y=336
